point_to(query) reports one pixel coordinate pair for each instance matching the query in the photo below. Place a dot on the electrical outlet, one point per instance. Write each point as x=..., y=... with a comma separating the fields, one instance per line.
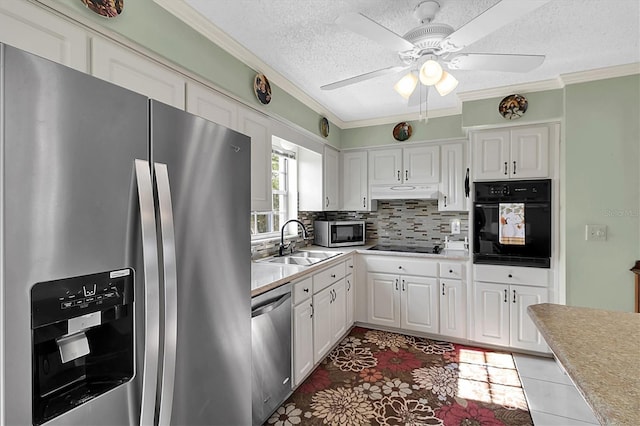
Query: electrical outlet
x=595, y=233
x=455, y=226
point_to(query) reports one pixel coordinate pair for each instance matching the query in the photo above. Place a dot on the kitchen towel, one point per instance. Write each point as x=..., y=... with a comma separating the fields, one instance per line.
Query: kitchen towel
x=512, y=224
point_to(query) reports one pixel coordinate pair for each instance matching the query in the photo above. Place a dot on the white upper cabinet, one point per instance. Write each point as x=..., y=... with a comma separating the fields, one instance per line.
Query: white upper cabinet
x=30, y=28
x=135, y=72
x=516, y=153
x=530, y=152
x=258, y=128
x=211, y=105
x=355, y=190
x=452, y=187
x=385, y=166
x=404, y=165
x=331, y=164
x=421, y=164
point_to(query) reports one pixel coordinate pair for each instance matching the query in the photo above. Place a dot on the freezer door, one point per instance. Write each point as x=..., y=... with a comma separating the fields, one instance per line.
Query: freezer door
x=69, y=208
x=209, y=173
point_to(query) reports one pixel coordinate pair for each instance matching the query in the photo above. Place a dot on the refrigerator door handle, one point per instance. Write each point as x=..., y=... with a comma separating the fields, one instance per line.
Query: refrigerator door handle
x=151, y=292
x=170, y=293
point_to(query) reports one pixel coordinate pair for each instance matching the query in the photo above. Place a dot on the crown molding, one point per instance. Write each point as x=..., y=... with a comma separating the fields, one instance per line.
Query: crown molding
x=181, y=10
x=601, y=73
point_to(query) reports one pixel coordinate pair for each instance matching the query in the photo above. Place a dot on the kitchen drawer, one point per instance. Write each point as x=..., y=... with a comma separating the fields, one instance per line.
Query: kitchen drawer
x=402, y=265
x=512, y=275
x=302, y=290
x=452, y=270
x=349, y=265
x=324, y=279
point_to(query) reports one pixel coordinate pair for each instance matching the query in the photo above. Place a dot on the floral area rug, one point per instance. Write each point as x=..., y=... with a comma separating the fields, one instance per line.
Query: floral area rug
x=380, y=378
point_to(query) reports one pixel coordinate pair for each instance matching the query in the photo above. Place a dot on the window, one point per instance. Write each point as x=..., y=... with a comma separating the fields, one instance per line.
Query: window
x=266, y=224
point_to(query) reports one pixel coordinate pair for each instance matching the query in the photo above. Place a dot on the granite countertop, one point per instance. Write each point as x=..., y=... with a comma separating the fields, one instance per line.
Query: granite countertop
x=266, y=276
x=600, y=351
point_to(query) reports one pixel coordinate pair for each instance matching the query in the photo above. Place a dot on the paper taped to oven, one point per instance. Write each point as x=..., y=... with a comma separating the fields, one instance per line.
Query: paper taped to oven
x=512, y=224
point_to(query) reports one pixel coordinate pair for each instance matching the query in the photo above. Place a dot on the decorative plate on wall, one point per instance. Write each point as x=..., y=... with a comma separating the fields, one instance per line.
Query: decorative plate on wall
x=324, y=127
x=262, y=88
x=513, y=106
x=402, y=131
x=106, y=8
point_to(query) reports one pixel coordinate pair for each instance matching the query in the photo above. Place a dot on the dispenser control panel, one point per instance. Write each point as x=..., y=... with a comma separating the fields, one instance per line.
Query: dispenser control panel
x=59, y=300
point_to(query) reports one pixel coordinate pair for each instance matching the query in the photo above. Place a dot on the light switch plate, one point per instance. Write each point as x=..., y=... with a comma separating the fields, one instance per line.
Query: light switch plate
x=595, y=233
x=455, y=226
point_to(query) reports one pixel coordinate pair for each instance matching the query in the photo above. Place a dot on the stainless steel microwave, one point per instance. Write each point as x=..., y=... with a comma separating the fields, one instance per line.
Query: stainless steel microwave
x=339, y=233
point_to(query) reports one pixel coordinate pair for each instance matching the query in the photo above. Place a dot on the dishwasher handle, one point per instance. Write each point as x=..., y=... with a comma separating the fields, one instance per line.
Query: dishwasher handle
x=261, y=310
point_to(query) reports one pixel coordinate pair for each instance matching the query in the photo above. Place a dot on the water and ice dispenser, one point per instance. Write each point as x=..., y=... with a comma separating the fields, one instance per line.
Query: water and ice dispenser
x=82, y=333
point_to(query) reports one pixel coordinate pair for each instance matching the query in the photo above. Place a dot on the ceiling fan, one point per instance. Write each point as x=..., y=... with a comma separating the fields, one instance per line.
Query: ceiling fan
x=423, y=48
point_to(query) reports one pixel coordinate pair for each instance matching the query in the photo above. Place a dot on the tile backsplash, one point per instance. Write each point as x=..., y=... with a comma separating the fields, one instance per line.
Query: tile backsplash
x=396, y=222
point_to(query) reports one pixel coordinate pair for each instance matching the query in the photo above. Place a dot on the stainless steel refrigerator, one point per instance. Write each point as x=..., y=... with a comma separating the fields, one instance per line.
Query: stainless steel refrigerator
x=124, y=256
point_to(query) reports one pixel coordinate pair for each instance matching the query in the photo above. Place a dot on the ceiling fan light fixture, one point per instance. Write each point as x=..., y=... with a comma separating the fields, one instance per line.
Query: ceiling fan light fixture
x=446, y=84
x=430, y=72
x=406, y=85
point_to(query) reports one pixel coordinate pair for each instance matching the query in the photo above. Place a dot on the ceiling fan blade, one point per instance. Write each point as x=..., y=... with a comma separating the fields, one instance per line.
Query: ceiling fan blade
x=363, y=77
x=360, y=24
x=495, y=62
x=490, y=20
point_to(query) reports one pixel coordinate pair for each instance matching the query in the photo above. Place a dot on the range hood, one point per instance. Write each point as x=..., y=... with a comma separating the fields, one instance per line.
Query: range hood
x=405, y=192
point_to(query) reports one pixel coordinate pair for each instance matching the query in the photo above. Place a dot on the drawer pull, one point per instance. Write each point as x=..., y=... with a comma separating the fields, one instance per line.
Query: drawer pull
x=333, y=275
x=451, y=271
x=510, y=276
x=306, y=290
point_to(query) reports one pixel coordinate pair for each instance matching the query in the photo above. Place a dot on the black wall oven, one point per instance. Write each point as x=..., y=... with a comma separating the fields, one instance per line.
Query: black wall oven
x=512, y=223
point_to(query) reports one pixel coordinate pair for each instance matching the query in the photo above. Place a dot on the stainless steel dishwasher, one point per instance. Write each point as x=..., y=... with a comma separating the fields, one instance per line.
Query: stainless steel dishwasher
x=271, y=351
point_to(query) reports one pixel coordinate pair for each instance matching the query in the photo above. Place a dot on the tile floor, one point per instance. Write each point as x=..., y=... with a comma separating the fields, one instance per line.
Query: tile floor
x=552, y=397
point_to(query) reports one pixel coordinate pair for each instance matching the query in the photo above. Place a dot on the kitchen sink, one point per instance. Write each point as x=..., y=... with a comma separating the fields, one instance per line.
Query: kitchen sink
x=303, y=258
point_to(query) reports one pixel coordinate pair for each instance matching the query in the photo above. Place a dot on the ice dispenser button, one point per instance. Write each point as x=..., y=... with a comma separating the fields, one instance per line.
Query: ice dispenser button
x=73, y=347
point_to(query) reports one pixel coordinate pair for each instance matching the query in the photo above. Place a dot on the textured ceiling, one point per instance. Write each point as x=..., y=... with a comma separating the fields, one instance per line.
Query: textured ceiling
x=299, y=40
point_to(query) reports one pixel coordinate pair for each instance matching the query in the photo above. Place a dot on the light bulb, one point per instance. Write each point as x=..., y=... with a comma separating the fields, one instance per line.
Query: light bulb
x=430, y=73
x=446, y=84
x=406, y=85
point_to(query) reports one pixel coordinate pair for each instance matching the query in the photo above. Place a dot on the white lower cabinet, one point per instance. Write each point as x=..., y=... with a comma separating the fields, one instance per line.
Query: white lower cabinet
x=302, y=330
x=415, y=299
x=329, y=318
x=453, y=309
x=501, y=315
x=403, y=301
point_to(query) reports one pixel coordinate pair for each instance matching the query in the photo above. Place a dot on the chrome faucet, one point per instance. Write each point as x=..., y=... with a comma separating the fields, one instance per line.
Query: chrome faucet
x=284, y=246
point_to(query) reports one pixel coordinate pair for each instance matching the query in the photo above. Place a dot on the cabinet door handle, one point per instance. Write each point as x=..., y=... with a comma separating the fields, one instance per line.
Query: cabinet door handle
x=327, y=201
x=514, y=167
x=348, y=285
x=443, y=289
x=445, y=201
x=402, y=285
x=406, y=175
x=364, y=202
x=514, y=296
x=398, y=175
x=467, y=188
x=506, y=294
x=396, y=284
x=505, y=168
x=311, y=316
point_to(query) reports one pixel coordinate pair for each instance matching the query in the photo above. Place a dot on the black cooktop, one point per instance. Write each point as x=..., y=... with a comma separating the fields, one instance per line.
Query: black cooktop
x=408, y=249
